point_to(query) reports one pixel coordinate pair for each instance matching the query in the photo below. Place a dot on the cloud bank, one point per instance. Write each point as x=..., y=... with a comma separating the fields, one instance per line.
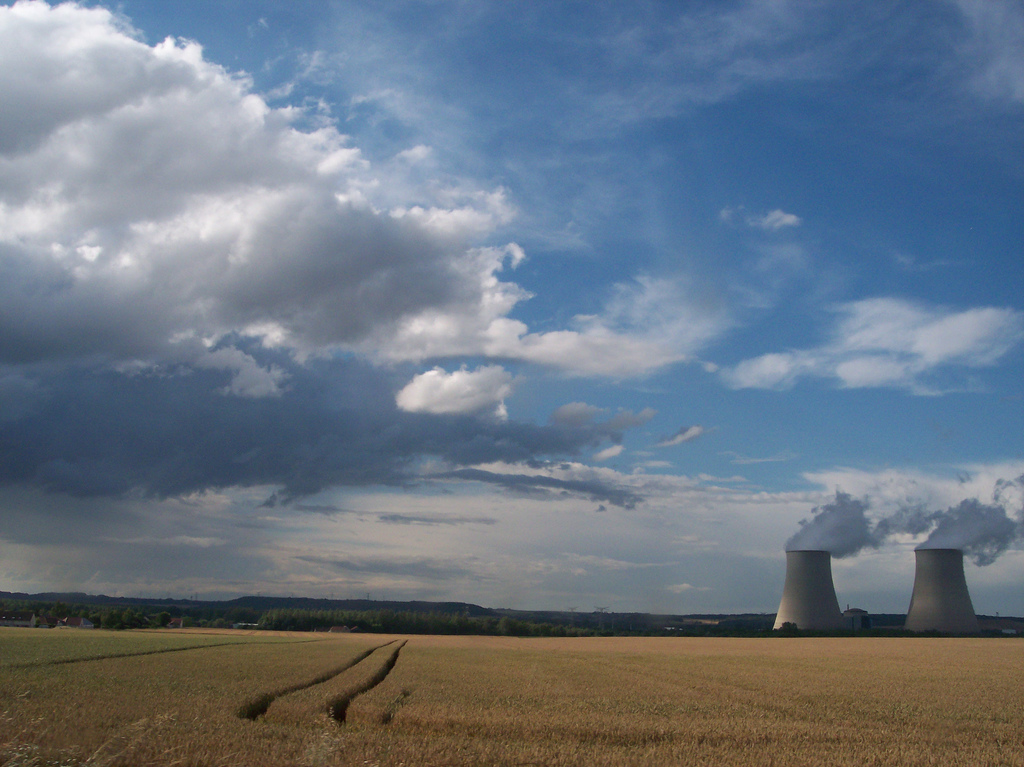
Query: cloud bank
x=169, y=431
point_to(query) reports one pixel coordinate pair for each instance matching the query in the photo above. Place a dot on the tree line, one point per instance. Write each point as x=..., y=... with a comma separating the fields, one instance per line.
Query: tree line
x=382, y=621
x=389, y=621
x=402, y=622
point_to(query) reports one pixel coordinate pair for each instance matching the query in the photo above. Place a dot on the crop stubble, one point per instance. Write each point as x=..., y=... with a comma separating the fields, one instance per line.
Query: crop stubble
x=477, y=700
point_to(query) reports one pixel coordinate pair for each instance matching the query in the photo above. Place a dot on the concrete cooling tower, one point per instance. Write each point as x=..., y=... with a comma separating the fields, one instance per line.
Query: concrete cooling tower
x=809, y=598
x=941, y=601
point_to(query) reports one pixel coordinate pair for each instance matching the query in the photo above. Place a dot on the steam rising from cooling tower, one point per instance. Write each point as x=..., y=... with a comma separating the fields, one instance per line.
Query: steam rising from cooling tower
x=941, y=601
x=809, y=597
x=840, y=527
x=982, y=531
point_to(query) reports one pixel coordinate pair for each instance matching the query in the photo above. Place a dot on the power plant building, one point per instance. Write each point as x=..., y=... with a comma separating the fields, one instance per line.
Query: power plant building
x=809, y=597
x=856, y=619
x=940, y=601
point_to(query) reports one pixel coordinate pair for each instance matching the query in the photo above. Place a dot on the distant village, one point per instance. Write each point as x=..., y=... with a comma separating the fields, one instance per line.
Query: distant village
x=28, y=619
x=31, y=620
x=45, y=621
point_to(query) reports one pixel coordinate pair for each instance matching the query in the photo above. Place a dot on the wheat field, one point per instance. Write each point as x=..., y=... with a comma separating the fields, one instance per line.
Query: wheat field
x=262, y=698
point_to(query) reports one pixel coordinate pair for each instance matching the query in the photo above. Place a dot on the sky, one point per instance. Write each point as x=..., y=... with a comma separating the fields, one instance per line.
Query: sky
x=531, y=305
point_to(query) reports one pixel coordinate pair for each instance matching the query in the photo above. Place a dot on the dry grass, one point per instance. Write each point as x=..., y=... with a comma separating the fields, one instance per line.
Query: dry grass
x=705, y=701
x=478, y=700
x=331, y=699
x=155, y=709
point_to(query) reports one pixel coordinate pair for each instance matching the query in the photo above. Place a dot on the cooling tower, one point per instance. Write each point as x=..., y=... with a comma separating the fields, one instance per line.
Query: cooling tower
x=940, y=601
x=809, y=598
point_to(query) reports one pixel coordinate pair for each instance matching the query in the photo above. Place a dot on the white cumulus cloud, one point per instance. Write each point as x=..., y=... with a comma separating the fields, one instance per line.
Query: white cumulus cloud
x=462, y=391
x=148, y=194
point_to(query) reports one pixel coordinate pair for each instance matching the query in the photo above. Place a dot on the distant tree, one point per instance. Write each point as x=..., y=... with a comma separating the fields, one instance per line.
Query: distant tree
x=244, y=615
x=132, y=620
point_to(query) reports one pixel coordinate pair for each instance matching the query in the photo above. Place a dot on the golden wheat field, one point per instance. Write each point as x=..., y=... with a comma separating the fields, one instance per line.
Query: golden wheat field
x=234, y=698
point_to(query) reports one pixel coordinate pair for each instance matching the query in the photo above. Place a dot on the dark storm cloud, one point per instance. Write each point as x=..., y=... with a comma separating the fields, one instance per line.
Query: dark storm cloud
x=543, y=486
x=173, y=431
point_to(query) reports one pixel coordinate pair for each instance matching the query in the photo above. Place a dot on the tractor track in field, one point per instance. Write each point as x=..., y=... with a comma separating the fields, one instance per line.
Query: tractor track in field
x=108, y=656
x=141, y=653
x=338, y=707
x=256, y=707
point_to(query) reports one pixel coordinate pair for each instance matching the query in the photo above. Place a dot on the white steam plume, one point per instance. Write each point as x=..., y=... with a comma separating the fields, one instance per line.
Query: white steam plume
x=982, y=531
x=841, y=527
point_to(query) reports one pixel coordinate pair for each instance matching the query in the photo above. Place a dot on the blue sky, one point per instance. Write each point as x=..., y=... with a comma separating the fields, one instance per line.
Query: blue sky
x=526, y=305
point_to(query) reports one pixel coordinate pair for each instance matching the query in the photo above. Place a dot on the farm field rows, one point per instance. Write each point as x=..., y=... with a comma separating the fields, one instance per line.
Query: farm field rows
x=262, y=698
